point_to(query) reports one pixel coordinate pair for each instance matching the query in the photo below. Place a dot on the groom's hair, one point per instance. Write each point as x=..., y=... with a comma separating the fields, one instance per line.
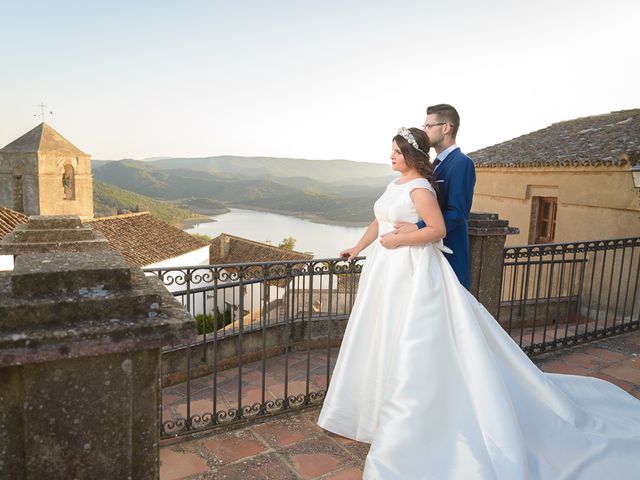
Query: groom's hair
x=446, y=113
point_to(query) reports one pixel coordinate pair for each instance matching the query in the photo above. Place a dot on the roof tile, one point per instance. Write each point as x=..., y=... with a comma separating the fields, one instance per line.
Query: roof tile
x=144, y=239
x=608, y=139
x=42, y=138
x=9, y=219
x=242, y=250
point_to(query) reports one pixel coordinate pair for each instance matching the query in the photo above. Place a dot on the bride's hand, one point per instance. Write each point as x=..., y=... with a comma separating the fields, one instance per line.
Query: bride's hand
x=350, y=253
x=390, y=241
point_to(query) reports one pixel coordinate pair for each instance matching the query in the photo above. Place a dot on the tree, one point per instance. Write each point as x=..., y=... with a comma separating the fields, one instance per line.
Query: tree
x=210, y=322
x=200, y=236
x=287, y=243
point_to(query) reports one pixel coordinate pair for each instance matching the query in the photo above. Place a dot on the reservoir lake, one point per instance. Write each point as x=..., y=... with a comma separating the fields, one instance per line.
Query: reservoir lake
x=323, y=240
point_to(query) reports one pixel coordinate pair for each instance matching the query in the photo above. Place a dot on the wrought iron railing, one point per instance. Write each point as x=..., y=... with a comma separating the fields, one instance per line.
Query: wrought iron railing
x=276, y=326
x=562, y=294
x=273, y=351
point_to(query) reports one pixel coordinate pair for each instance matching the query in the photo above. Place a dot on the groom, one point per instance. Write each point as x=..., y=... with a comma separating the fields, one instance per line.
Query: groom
x=455, y=176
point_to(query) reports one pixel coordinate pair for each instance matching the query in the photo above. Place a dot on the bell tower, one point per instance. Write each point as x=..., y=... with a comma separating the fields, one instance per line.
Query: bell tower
x=42, y=173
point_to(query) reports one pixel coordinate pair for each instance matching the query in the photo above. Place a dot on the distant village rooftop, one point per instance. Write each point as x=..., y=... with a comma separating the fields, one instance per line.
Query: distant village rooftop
x=144, y=239
x=610, y=139
x=227, y=248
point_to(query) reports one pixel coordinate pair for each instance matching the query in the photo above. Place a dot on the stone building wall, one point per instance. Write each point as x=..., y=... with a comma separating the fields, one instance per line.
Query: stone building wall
x=52, y=192
x=42, y=173
x=28, y=163
x=593, y=202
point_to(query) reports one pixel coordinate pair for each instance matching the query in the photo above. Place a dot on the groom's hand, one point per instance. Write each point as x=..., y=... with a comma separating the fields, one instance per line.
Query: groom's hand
x=404, y=227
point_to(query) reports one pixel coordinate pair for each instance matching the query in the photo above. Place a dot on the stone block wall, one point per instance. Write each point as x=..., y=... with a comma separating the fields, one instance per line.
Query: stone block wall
x=81, y=333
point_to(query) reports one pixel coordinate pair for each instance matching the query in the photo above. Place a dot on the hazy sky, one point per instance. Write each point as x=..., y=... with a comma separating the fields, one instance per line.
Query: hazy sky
x=314, y=79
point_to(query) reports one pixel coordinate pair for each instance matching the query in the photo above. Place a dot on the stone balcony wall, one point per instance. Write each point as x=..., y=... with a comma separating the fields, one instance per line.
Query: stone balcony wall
x=80, y=338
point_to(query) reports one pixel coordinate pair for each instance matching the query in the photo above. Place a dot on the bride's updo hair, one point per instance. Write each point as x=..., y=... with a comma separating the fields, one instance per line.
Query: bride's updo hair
x=418, y=159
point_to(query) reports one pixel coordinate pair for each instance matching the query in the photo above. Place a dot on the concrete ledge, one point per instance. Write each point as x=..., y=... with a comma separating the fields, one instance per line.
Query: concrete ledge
x=50, y=236
x=70, y=273
x=146, y=316
x=488, y=224
x=46, y=222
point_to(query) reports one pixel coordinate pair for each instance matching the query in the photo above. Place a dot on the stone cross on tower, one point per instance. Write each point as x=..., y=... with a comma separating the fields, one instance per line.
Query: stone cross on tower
x=42, y=112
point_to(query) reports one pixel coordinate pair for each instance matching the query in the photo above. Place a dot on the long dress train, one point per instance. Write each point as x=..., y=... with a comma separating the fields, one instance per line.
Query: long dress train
x=429, y=378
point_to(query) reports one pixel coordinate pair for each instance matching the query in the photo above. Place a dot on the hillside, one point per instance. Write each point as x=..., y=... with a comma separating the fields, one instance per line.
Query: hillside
x=302, y=194
x=325, y=171
x=108, y=199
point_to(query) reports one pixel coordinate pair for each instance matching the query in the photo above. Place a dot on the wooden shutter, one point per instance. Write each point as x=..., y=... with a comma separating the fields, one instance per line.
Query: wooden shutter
x=546, y=223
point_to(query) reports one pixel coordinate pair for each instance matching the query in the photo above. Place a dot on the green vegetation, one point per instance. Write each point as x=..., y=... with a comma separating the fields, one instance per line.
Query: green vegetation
x=205, y=205
x=230, y=166
x=207, y=322
x=287, y=243
x=200, y=236
x=107, y=200
x=322, y=198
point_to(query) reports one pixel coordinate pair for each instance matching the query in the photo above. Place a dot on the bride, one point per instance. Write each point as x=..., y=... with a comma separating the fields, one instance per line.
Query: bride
x=435, y=385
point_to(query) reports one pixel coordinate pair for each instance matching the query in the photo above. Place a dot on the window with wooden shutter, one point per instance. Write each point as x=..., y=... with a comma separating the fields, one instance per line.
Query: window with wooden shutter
x=546, y=219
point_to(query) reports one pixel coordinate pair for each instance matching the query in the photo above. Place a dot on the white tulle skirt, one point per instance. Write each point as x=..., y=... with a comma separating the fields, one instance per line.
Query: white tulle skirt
x=431, y=380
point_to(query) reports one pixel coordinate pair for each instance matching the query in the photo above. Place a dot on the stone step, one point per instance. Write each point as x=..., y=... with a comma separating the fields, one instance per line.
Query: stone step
x=89, y=307
x=9, y=248
x=53, y=235
x=69, y=273
x=45, y=222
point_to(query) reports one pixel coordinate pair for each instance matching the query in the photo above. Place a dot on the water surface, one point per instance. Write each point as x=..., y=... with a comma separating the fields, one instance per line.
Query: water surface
x=322, y=240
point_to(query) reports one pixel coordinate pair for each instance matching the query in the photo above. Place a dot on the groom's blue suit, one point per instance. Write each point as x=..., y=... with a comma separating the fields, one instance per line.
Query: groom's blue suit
x=456, y=177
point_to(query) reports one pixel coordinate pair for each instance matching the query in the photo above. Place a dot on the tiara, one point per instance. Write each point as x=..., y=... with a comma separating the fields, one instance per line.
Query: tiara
x=408, y=136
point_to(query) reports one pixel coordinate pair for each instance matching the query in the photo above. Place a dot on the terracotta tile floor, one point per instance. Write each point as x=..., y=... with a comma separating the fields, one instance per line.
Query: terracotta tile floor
x=292, y=446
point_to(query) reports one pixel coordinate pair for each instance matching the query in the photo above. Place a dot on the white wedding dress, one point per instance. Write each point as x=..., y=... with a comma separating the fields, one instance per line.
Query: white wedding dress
x=429, y=378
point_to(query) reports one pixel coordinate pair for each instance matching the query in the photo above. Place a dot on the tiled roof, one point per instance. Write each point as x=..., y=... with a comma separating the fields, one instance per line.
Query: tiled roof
x=241, y=250
x=608, y=139
x=42, y=138
x=144, y=239
x=9, y=219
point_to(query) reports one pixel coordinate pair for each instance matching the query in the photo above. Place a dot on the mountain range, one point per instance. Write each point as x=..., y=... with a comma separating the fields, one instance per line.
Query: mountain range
x=335, y=191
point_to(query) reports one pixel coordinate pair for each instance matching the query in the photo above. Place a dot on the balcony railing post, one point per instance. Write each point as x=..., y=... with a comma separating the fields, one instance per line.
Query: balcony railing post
x=487, y=236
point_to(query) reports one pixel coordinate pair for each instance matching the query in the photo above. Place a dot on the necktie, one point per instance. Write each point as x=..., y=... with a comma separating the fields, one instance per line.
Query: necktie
x=436, y=162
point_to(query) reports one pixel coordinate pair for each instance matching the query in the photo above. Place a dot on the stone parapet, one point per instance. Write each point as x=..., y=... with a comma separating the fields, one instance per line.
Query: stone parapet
x=488, y=224
x=80, y=339
x=47, y=313
x=70, y=272
x=487, y=237
x=52, y=234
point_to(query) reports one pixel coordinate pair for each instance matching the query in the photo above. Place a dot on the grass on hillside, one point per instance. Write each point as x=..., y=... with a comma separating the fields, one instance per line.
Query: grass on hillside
x=108, y=199
x=208, y=194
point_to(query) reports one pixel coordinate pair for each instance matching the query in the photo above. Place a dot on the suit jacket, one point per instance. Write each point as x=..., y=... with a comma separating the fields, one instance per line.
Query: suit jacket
x=456, y=177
